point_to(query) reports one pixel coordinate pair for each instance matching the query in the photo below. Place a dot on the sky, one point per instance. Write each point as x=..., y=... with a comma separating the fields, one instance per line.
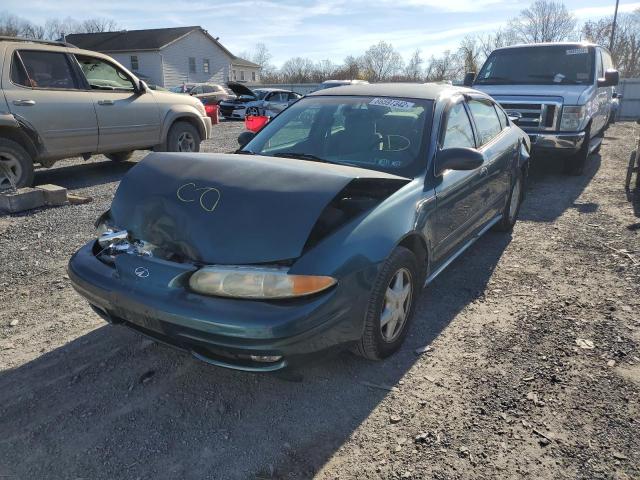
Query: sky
x=317, y=29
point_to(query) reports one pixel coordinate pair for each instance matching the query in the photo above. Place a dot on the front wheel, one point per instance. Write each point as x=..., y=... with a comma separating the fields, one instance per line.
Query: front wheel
x=512, y=208
x=183, y=137
x=574, y=165
x=391, y=306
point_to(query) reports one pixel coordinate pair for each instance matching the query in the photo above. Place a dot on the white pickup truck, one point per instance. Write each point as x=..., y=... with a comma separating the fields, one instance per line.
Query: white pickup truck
x=559, y=93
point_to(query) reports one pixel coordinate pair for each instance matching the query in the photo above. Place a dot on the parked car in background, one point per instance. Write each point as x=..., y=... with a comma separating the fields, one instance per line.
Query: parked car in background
x=340, y=83
x=317, y=234
x=211, y=92
x=559, y=93
x=59, y=101
x=259, y=101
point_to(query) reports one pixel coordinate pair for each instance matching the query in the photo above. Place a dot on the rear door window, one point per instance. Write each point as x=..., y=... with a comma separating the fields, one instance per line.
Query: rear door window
x=40, y=69
x=486, y=120
x=458, y=132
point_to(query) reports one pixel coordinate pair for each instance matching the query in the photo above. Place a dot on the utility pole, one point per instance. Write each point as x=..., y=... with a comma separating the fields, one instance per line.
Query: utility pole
x=613, y=27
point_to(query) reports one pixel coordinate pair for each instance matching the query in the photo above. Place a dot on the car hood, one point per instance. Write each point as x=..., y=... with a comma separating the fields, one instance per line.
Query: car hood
x=233, y=209
x=570, y=94
x=240, y=89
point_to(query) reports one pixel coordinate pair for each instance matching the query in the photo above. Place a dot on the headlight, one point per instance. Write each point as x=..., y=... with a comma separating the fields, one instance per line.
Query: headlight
x=572, y=118
x=256, y=283
x=104, y=223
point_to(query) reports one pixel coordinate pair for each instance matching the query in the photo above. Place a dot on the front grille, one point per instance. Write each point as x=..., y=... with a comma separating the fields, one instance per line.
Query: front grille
x=534, y=115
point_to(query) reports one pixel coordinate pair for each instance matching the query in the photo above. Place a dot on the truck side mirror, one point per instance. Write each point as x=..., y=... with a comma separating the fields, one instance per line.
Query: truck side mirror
x=611, y=79
x=469, y=78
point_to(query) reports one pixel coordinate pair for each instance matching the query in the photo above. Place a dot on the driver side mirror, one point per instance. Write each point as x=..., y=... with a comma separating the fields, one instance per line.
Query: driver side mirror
x=245, y=137
x=611, y=79
x=458, y=159
x=469, y=78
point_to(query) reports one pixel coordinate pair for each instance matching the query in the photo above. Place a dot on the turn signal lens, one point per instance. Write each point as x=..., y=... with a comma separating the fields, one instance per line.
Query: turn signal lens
x=256, y=283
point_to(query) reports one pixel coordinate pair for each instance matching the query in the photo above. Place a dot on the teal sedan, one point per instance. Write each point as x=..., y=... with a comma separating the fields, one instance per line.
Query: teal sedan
x=320, y=232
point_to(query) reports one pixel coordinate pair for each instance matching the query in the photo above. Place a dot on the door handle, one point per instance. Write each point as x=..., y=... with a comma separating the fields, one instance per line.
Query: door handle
x=484, y=170
x=24, y=103
x=105, y=102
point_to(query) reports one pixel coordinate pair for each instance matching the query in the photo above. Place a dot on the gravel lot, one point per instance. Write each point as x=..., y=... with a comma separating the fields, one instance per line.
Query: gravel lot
x=533, y=370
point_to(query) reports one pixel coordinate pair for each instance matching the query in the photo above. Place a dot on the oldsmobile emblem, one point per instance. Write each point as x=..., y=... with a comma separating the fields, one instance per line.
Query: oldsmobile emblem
x=141, y=272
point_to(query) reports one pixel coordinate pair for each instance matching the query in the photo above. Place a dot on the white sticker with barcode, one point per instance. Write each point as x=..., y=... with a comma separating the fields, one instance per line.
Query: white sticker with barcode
x=391, y=102
x=577, y=51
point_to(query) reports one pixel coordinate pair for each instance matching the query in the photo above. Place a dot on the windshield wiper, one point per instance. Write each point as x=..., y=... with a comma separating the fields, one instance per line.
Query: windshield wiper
x=301, y=156
x=245, y=152
x=492, y=79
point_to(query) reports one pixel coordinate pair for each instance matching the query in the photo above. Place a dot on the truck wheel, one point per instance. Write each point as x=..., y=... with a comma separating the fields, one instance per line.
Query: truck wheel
x=183, y=137
x=391, y=305
x=574, y=165
x=119, y=156
x=16, y=165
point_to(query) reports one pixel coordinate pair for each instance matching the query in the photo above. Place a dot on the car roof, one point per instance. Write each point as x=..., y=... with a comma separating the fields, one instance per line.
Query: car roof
x=551, y=44
x=427, y=91
x=268, y=89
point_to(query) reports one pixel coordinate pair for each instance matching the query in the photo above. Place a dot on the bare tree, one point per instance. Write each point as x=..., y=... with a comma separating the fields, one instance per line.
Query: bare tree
x=97, y=25
x=297, y=70
x=413, y=70
x=544, y=21
x=470, y=52
x=350, y=69
x=324, y=70
x=446, y=67
x=57, y=28
x=626, y=45
x=500, y=38
x=381, y=61
x=14, y=26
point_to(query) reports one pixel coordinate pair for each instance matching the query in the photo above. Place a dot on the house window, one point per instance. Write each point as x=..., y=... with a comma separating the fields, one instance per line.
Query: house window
x=134, y=63
x=192, y=64
x=205, y=65
x=233, y=74
x=241, y=75
x=253, y=76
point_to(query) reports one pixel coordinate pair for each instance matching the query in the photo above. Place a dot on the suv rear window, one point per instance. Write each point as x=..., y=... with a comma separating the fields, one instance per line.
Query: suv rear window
x=38, y=69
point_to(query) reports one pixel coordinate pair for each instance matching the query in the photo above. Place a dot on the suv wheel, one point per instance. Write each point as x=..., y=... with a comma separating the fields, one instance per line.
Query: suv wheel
x=119, y=156
x=574, y=165
x=183, y=137
x=16, y=165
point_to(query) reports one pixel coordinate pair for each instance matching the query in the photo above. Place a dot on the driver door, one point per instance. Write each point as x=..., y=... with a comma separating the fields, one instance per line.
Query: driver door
x=127, y=119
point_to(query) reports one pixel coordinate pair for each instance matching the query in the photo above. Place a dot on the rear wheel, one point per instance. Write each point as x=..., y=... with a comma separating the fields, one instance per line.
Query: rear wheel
x=119, y=156
x=183, y=137
x=16, y=165
x=391, y=306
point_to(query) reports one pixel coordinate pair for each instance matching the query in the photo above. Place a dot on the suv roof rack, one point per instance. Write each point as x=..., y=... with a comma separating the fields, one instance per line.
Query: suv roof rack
x=32, y=40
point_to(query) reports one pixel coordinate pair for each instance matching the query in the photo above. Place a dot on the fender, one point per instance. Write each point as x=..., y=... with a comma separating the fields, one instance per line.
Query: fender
x=8, y=120
x=178, y=112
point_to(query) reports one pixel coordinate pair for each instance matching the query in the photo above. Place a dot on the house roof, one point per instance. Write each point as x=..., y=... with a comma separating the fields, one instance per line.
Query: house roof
x=136, y=40
x=127, y=40
x=241, y=62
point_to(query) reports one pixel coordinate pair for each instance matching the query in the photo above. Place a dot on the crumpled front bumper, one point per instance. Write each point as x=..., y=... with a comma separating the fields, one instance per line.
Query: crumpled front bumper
x=565, y=142
x=220, y=331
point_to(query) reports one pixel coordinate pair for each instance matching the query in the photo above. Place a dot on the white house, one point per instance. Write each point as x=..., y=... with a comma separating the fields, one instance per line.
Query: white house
x=171, y=56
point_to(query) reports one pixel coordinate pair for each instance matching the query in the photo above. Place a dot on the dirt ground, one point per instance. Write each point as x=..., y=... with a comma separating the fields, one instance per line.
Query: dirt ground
x=532, y=371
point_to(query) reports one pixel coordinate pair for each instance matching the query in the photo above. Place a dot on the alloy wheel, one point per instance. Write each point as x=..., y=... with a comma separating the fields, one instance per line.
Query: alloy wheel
x=186, y=142
x=397, y=303
x=10, y=171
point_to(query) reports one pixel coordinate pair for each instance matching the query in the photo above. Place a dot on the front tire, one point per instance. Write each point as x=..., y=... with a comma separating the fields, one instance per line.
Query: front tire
x=391, y=306
x=119, y=156
x=183, y=137
x=16, y=165
x=512, y=208
x=574, y=165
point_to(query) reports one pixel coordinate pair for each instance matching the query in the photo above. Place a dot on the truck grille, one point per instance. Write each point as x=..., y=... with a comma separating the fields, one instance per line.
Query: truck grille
x=534, y=115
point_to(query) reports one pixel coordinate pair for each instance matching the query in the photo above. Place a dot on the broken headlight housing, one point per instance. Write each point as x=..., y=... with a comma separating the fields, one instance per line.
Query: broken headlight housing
x=572, y=117
x=256, y=283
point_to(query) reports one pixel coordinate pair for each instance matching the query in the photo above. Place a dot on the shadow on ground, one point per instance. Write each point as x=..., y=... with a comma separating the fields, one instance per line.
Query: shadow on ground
x=83, y=175
x=92, y=417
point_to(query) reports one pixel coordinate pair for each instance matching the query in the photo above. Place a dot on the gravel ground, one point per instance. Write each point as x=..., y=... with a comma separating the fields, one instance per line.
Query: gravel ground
x=533, y=369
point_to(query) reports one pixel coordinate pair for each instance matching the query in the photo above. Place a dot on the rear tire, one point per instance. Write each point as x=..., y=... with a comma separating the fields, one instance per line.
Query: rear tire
x=119, y=156
x=183, y=137
x=388, y=315
x=16, y=168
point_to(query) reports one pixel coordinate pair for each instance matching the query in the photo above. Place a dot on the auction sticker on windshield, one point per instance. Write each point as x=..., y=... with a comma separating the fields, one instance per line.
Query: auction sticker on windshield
x=391, y=102
x=577, y=51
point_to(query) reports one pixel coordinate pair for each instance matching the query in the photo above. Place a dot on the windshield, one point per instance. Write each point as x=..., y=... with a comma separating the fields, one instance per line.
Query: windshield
x=260, y=94
x=380, y=133
x=538, y=66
